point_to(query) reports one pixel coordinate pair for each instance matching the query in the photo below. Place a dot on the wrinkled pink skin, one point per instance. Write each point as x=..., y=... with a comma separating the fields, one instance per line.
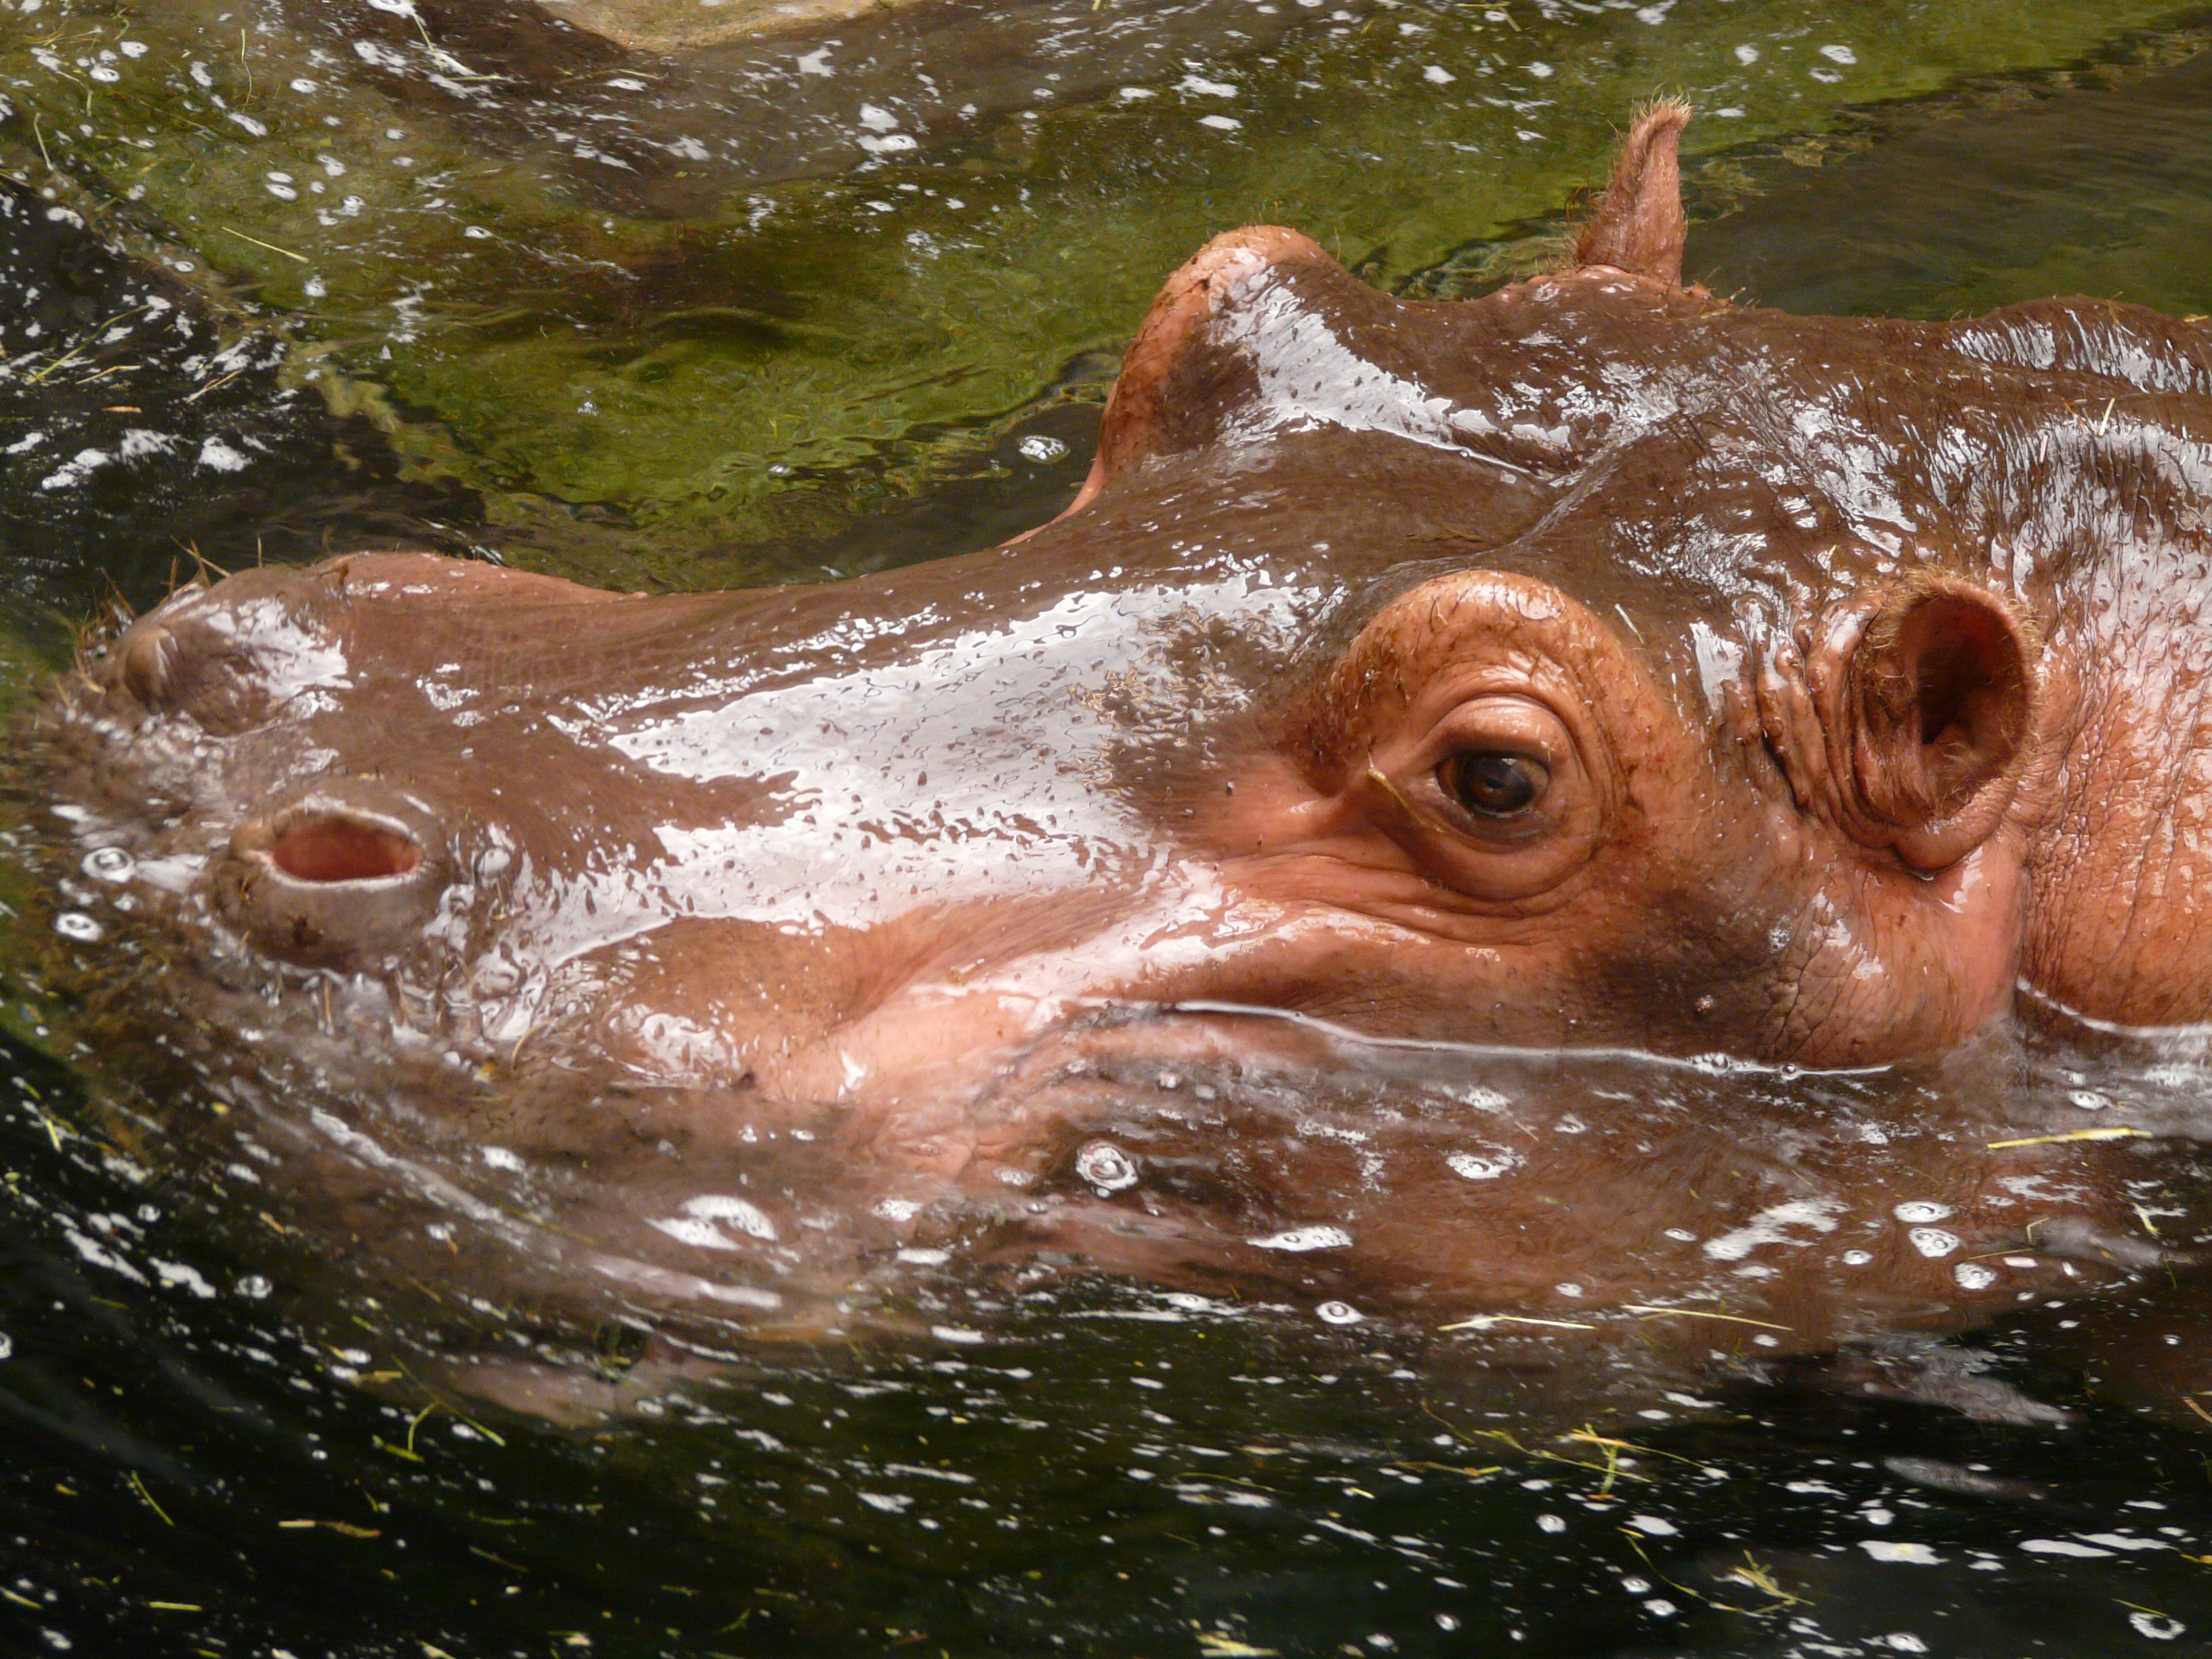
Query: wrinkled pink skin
x=1864, y=660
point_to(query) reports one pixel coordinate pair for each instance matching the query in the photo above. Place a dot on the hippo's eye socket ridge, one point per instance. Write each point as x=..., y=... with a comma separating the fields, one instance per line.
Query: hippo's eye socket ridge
x=1494, y=783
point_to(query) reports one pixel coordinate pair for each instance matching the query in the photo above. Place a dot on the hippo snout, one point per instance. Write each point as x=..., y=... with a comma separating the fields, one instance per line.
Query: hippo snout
x=344, y=874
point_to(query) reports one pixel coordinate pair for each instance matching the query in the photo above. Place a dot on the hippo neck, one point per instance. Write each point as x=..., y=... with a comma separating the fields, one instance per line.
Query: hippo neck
x=2120, y=922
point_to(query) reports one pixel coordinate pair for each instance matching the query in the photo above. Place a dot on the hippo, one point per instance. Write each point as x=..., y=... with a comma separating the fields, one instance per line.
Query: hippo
x=1514, y=809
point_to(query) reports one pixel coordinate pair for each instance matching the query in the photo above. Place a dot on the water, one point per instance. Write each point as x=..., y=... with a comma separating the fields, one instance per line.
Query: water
x=234, y=1427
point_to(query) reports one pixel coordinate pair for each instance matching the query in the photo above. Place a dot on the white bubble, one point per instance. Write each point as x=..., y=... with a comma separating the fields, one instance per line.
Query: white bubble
x=1469, y=1167
x=1922, y=1212
x=109, y=864
x=1857, y=1258
x=1338, y=1313
x=253, y=1287
x=1973, y=1276
x=133, y=48
x=1038, y=447
x=1839, y=54
x=75, y=924
x=1933, y=1241
x=499, y=1158
x=1299, y=1239
x=2156, y=1625
x=7, y=1345
x=1106, y=1166
x=1550, y=1523
x=1220, y=123
x=1436, y=74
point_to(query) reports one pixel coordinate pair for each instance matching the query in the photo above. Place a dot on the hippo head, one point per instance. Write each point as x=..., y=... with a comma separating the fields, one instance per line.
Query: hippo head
x=1595, y=664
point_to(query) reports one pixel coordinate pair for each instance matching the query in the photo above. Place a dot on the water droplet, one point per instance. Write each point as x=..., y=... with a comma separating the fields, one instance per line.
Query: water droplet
x=109, y=864
x=1469, y=1167
x=1304, y=1238
x=1106, y=1166
x=75, y=924
x=1338, y=1313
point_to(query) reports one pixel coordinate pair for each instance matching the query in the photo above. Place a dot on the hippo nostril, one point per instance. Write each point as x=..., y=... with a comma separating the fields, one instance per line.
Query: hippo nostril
x=328, y=848
x=147, y=658
x=349, y=873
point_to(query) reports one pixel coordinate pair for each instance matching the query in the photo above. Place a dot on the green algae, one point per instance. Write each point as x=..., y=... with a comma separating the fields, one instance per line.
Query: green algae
x=669, y=396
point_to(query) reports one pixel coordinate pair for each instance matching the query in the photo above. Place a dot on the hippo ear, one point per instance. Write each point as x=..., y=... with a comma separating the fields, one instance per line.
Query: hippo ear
x=1638, y=226
x=1168, y=379
x=1936, y=712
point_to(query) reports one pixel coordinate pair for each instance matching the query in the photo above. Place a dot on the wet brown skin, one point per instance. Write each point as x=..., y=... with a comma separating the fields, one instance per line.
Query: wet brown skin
x=1596, y=666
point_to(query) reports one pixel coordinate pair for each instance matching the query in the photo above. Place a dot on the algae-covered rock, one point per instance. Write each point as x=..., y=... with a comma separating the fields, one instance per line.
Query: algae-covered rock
x=673, y=25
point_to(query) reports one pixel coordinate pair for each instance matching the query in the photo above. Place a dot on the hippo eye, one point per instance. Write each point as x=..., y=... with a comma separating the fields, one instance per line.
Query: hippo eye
x=1494, y=783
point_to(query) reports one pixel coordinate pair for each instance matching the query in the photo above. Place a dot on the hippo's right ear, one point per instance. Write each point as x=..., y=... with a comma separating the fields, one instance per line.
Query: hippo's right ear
x=1930, y=719
x=1638, y=226
x=1172, y=386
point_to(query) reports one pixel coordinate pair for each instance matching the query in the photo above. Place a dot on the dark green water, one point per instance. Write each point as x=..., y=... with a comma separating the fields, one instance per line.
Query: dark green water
x=704, y=354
